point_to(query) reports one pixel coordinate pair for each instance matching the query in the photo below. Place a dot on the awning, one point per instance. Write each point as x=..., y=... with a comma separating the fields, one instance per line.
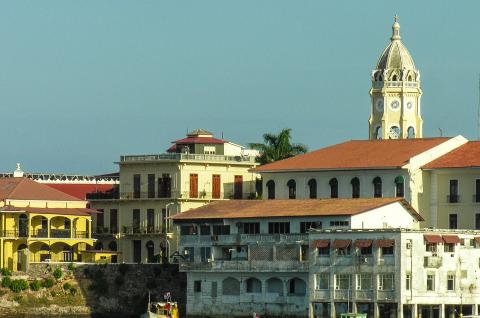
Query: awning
x=477, y=239
x=432, y=239
x=320, y=243
x=363, y=243
x=341, y=243
x=385, y=243
x=451, y=239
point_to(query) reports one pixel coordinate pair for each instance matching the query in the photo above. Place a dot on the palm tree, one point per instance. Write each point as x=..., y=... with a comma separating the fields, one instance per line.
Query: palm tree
x=277, y=147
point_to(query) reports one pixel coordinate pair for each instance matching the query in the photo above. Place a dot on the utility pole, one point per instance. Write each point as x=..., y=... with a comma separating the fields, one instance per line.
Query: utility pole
x=478, y=109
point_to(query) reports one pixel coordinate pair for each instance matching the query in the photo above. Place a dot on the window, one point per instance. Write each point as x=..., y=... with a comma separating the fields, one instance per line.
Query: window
x=209, y=150
x=197, y=286
x=386, y=281
x=453, y=197
x=355, y=187
x=188, y=230
x=305, y=226
x=254, y=285
x=378, y=133
x=377, y=187
x=399, y=187
x=189, y=254
x=214, y=289
x=431, y=247
x=100, y=221
x=343, y=281
x=366, y=250
x=322, y=281
x=292, y=189
x=343, y=251
x=408, y=281
x=151, y=185
x=221, y=230
x=451, y=281
x=136, y=186
x=410, y=132
x=238, y=187
x=165, y=186
x=113, y=221
x=431, y=282
x=323, y=251
x=136, y=220
x=339, y=223
x=364, y=281
x=251, y=228
x=278, y=227
x=271, y=189
x=452, y=221
x=477, y=191
x=449, y=248
x=205, y=230
x=387, y=250
x=333, y=188
x=312, y=186
x=193, y=185
x=150, y=220
x=205, y=254
x=477, y=221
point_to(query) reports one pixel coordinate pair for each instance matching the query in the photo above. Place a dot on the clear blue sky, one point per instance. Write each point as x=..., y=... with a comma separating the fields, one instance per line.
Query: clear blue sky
x=82, y=82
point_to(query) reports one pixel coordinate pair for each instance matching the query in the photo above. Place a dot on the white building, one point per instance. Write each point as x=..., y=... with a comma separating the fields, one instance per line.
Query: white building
x=394, y=273
x=253, y=256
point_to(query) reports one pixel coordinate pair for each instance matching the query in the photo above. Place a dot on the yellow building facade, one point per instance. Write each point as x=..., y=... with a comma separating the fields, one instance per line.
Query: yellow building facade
x=41, y=224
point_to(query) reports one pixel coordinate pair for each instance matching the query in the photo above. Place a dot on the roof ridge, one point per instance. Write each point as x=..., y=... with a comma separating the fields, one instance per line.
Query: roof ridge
x=16, y=187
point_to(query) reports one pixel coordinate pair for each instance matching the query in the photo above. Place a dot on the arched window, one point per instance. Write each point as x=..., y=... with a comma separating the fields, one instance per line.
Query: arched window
x=67, y=224
x=377, y=187
x=271, y=189
x=394, y=77
x=292, y=189
x=231, y=286
x=312, y=186
x=380, y=78
x=99, y=246
x=399, y=187
x=378, y=133
x=297, y=287
x=253, y=285
x=394, y=132
x=112, y=246
x=275, y=286
x=410, y=132
x=409, y=77
x=355, y=187
x=333, y=188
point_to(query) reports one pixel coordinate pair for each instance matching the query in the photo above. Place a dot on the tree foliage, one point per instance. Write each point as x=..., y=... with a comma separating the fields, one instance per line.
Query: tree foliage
x=277, y=147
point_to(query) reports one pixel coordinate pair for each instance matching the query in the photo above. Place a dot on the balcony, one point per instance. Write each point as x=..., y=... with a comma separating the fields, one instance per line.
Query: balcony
x=142, y=230
x=343, y=294
x=245, y=266
x=323, y=260
x=110, y=195
x=386, y=260
x=43, y=233
x=322, y=294
x=200, y=195
x=453, y=198
x=187, y=157
x=244, y=239
x=432, y=261
x=343, y=261
x=105, y=231
x=387, y=295
x=364, y=294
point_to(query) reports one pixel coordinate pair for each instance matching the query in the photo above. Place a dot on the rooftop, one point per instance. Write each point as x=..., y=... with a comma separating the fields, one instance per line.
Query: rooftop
x=288, y=208
x=27, y=189
x=465, y=156
x=357, y=154
x=188, y=157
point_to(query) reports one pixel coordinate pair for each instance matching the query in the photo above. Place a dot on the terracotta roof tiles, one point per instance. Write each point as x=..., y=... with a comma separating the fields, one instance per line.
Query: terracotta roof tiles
x=27, y=189
x=465, y=156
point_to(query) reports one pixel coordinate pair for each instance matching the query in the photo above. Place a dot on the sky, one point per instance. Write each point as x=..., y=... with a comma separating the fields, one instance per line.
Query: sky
x=83, y=82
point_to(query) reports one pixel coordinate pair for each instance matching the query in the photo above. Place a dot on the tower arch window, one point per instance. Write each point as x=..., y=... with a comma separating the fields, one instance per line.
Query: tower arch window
x=355, y=187
x=333, y=188
x=394, y=132
x=394, y=77
x=292, y=189
x=312, y=187
x=271, y=189
x=409, y=77
x=410, y=132
x=399, y=187
x=377, y=187
x=378, y=133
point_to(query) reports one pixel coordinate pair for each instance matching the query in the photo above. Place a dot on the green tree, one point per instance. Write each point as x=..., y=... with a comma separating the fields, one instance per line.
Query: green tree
x=277, y=147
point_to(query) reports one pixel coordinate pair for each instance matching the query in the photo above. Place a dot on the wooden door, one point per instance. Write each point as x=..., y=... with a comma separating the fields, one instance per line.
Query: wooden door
x=193, y=185
x=216, y=186
x=238, y=187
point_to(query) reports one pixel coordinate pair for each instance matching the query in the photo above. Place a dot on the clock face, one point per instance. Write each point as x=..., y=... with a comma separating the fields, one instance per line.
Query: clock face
x=409, y=105
x=395, y=105
x=380, y=105
x=394, y=132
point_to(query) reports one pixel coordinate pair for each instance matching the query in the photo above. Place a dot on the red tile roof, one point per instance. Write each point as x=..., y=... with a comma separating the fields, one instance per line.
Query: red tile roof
x=80, y=190
x=357, y=154
x=465, y=156
x=288, y=208
x=27, y=189
x=60, y=211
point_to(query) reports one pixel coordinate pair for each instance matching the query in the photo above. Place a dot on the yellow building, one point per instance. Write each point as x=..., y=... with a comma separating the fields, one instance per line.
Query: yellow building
x=39, y=223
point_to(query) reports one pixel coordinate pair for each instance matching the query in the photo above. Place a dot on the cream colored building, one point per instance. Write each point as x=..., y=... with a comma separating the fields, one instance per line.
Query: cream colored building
x=195, y=170
x=395, y=93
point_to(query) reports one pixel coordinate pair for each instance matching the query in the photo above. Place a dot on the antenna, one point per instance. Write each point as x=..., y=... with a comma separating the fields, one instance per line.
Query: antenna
x=478, y=110
x=440, y=131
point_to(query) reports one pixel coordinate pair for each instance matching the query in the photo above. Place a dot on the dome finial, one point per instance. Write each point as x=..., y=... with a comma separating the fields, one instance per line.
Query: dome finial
x=396, y=30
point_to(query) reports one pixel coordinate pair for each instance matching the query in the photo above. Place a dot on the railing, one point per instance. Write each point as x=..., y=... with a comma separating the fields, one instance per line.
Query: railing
x=321, y=294
x=244, y=238
x=136, y=230
x=254, y=266
x=343, y=261
x=54, y=233
x=432, y=261
x=395, y=84
x=102, y=195
x=14, y=233
x=364, y=294
x=343, y=294
x=201, y=195
x=43, y=233
x=386, y=260
x=476, y=198
x=386, y=295
x=323, y=260
x=188, y=157
x=453, y=198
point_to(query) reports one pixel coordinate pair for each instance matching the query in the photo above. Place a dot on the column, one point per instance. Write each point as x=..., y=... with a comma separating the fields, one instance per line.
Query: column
x=399, y=310
x=48, y=227
x=71, y=227
x=376, y=314
x=441, y=314
x=475, y=309
x=29, y=225
x=414, y=310
x=332, y=308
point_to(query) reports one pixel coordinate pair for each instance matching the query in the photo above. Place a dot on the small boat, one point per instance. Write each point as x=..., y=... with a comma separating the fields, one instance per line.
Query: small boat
x=161, y=309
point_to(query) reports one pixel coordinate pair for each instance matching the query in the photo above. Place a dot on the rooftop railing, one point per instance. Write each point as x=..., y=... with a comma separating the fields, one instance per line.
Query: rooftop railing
x=188, y=157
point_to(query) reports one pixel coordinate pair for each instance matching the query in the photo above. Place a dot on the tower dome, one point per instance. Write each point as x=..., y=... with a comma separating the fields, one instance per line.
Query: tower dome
x=395, y=55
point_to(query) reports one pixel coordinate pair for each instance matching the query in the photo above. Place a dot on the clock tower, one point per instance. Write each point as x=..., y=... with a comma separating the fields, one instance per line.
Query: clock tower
x=395, y=93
